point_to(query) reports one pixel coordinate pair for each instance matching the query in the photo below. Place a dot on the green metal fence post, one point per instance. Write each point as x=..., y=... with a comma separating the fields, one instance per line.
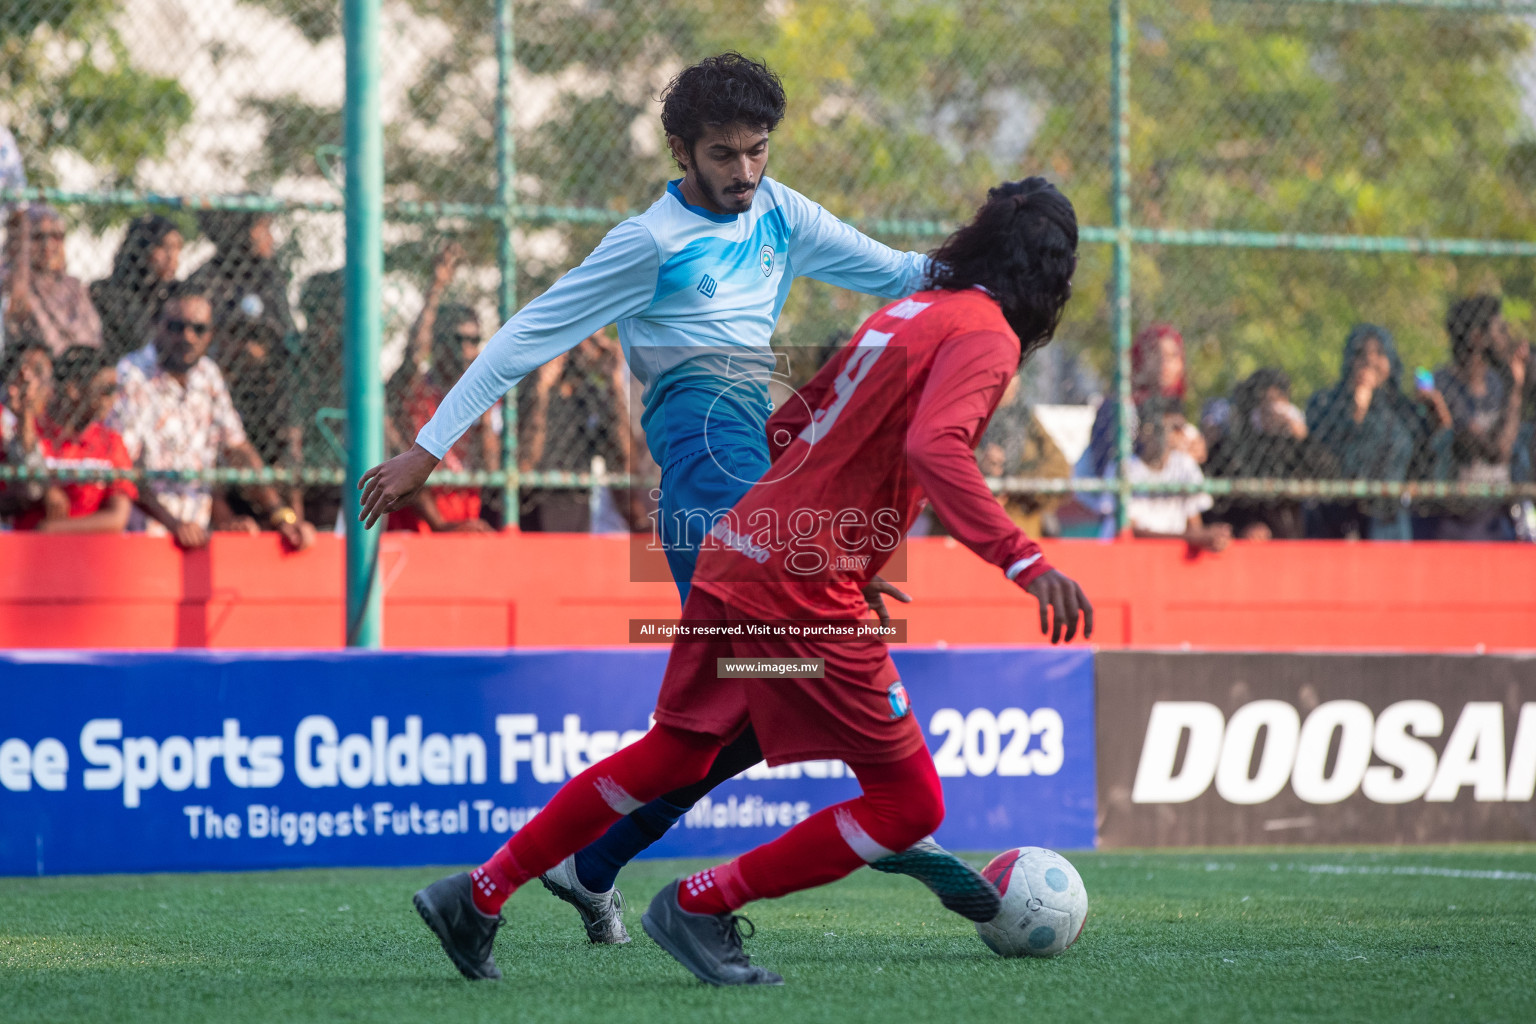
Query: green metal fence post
x=364, y=276
x=1120, y=107
x=506, y=255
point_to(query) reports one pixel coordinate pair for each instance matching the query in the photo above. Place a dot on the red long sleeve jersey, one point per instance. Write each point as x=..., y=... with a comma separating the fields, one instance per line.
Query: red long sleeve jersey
x=892, y=419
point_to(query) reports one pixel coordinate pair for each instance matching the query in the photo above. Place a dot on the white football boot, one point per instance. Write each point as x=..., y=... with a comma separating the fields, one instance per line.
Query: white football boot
x=602, y=913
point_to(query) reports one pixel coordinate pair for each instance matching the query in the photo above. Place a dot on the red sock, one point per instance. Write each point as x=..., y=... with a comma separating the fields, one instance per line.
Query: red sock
x=715, y=890
x=902, y=802
x=582, y=810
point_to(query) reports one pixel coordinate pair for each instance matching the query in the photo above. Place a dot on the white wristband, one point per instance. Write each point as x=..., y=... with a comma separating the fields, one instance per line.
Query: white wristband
x=1017, y=567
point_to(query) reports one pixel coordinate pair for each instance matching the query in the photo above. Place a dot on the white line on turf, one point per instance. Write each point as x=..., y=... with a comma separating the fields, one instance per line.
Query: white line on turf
x=1488, y=874
x=1408, y=869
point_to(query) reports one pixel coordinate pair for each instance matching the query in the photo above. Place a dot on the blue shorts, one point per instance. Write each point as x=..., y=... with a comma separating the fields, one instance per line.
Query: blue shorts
x=695, y=489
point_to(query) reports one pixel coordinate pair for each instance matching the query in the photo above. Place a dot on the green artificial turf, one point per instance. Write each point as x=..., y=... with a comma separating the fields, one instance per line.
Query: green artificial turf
x=1271, y=935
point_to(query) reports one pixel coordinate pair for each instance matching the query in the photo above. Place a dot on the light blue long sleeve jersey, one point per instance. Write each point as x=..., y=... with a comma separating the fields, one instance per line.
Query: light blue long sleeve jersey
x=696, y=296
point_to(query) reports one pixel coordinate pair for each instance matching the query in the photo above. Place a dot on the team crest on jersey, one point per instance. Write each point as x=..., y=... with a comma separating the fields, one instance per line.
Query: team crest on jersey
x=765, y=260
x=897, y=695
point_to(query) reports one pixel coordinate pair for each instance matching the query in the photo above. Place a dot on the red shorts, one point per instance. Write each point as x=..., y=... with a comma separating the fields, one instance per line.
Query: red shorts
x=858, y=713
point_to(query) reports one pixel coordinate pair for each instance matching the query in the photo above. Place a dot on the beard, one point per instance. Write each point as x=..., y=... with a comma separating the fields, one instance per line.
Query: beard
x=177, y=359
x=724, y=199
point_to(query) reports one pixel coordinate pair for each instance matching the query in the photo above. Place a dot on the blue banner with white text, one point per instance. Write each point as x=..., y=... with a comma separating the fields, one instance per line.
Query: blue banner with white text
x=193, y=761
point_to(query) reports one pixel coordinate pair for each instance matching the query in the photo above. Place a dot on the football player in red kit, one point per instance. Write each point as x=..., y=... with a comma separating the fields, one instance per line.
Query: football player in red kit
x=891, y=421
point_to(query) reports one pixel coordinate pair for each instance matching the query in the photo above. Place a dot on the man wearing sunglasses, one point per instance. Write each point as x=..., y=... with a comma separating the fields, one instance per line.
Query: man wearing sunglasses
x=175, y=412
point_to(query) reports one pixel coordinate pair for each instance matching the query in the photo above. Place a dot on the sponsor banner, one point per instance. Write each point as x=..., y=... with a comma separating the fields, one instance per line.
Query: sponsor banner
x=212, y=761
x=1218, y=749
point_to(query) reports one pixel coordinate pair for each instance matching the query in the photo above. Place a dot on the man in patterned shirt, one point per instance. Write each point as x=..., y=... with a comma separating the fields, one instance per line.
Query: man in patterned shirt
x=175, y=413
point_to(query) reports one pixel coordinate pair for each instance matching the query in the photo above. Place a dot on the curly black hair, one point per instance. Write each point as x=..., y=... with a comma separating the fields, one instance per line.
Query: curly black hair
x=1022, y=247
x=725, y=89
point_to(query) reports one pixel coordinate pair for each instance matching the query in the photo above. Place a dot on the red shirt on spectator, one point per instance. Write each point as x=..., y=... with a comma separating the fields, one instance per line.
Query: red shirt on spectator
x=96, y=447
x=454, y=504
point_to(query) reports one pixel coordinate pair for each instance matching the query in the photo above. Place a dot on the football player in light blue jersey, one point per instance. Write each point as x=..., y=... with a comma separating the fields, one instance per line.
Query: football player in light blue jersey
x=695, y=285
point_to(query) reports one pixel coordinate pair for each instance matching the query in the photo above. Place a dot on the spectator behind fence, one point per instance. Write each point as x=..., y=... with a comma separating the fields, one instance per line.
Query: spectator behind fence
x=1483, y=387
x=319, y=401
x=254, y=362
x=242, y=279
x=1522, y=467
x=444, y=340
x=43, y=302
x=1366, y=429
x=26, y=386
x=73, y=435
x=1264, y=437
x=574, y=411
x=1015, y=444
x=1157, y=371
x=175, y=413
x=143, y=272
x=1158, y=460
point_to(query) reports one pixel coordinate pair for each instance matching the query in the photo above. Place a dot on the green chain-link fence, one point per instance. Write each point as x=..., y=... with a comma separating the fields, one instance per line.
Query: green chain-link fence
x=1263, y=178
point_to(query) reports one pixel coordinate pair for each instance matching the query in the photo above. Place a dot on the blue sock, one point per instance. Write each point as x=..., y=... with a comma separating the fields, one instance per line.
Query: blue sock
x=599, y=864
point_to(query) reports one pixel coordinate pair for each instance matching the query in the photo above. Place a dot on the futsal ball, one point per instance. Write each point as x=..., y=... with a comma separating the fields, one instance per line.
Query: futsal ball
x=1044, y=903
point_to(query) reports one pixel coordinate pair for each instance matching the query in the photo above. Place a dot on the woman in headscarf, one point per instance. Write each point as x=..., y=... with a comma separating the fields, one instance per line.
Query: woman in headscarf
x=1266, y=438
x=1371, y=431
x=142, y=274
x=319, y=397
x=47, y=305
x=243, y=278
x=1157, y=371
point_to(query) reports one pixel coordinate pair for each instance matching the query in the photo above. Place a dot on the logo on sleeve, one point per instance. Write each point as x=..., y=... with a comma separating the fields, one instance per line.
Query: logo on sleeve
x=765, y=260
x=707, y=285
x=900, y=705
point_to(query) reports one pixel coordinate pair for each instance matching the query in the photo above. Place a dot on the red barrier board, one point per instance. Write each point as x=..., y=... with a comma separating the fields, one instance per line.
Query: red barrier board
x=462, y=591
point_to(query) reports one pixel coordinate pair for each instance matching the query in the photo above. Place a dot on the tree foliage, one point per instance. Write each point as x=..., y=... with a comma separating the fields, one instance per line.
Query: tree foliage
x=67, y=84
x=1347, y=119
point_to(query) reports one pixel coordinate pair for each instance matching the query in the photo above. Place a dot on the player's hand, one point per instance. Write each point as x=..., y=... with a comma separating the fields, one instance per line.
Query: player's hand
x=390, y=486
x=1061, y=601
x=875, y=593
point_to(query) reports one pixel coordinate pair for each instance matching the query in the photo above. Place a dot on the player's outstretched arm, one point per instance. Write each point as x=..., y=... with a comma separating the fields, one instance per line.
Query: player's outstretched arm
x=827, y=249
x=390, y=486
x=614, y=283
